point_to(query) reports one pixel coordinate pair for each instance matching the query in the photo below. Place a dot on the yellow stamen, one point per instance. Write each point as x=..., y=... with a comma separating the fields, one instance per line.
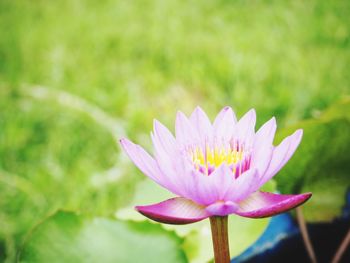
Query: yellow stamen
x=214, y=157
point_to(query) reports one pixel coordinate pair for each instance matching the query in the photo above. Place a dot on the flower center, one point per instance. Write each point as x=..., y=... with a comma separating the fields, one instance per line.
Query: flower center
x=234, y=154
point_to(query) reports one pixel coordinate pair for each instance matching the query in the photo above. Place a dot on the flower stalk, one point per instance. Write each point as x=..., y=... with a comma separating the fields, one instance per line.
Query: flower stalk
x=219, y=231
x=305, y=235
x=342, y=248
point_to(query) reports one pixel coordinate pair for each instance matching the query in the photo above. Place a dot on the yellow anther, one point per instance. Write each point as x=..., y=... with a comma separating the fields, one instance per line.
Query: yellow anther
x=214, y=157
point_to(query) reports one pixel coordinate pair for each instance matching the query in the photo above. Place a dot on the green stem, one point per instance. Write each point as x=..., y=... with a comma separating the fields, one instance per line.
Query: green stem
x=220, y=239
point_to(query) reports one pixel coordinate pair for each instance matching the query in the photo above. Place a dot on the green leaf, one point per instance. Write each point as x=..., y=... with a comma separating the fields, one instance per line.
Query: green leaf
x=321, y=164
x=198, y=245
x=69, y=237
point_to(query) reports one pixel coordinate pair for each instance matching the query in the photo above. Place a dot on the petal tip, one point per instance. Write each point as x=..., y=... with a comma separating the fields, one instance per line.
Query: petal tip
x=179, y=114
x=299, y=133
x=156, y=125
x=273, y=121
x=265, y=204
x=296, y=137
x=252, y=112
x=307, y=196
x=155, y=122
x=198, y=108
x=124, y=141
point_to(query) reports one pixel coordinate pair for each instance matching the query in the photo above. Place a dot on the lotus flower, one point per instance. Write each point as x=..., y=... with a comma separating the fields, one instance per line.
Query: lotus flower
x=215, y=169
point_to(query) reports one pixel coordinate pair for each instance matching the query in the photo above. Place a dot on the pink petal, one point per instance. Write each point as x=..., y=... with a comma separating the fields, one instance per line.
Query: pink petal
x=262, y=204
x=281, y=154
x=200, y=188
x=220, y=180
x=177, y=211
x=263, y=148
x=266, y=133
x=170, y=161
x=146, y=164
x=167, y=165
x=186, y=134
x=245, y=128
x=164, y=138
x=224, y=124
x=202, y=123
x=242, y=186
x=206, y=190
x=141, y=159
x=222, y=208
x=261, y=157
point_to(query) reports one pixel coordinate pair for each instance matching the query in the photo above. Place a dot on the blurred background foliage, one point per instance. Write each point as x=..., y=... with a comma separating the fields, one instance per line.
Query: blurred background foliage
x=77, y=75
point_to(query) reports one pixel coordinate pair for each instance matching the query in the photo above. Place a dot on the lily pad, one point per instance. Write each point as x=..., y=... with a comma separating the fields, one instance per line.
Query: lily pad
x=198, y=245
x=69, y=237
x=321, y=164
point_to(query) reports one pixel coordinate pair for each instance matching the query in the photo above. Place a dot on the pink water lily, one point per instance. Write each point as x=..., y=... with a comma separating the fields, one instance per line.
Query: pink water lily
x=215, y=169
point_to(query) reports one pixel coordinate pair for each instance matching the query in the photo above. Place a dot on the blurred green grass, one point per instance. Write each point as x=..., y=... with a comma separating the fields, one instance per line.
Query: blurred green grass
x=139, y=60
